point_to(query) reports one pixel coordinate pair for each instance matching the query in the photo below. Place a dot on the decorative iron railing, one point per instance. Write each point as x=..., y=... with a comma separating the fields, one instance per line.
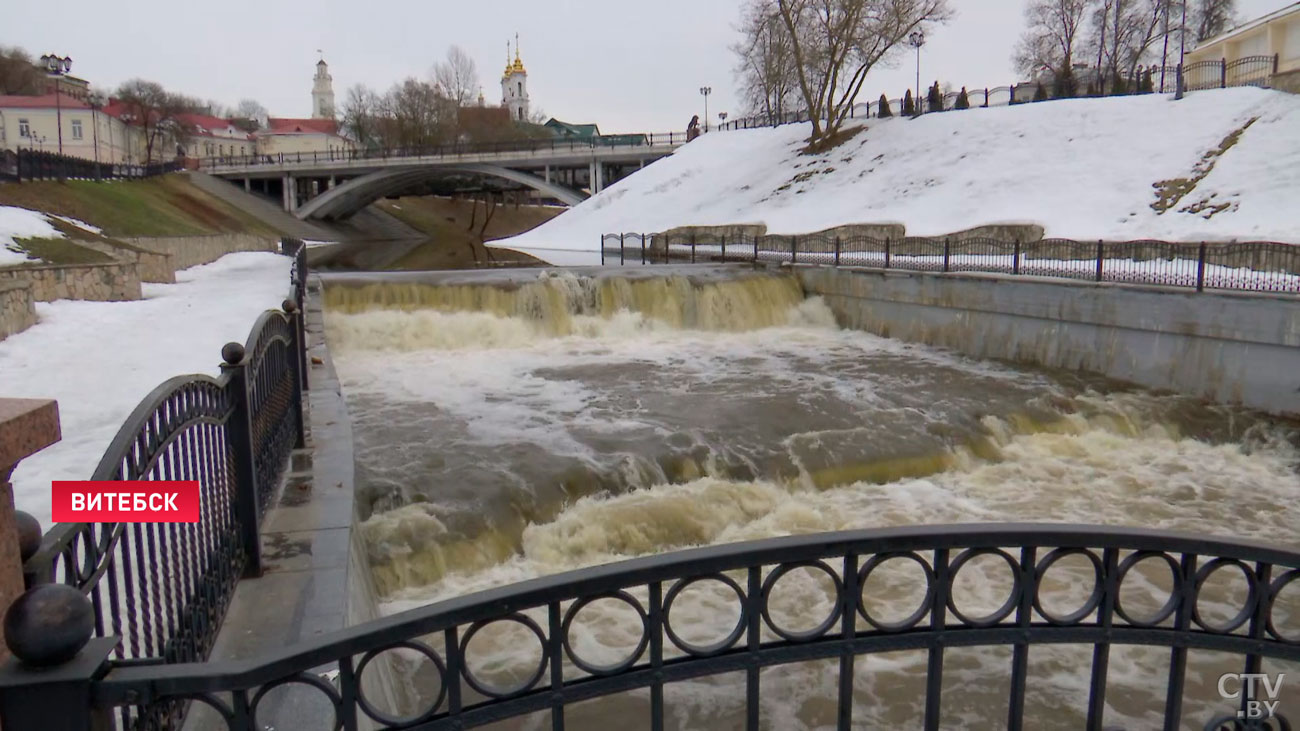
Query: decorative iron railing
x=1115, y=602
x=1255, y=266
x=453, y=150
x=26, y=164
x=161, y=590
x=1089, y=82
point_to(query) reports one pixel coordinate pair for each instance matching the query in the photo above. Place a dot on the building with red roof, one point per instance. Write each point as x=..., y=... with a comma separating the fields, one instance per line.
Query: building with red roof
x=88, y=132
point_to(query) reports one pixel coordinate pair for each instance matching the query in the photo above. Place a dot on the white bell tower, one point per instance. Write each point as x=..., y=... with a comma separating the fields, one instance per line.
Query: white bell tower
x=322, y=92
x=514, y=85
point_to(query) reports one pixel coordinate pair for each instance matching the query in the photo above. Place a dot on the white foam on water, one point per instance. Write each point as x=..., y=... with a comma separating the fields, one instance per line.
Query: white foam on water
x=511, y=379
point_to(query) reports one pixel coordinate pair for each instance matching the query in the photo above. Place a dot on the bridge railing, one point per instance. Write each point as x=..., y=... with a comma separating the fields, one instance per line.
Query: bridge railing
x=1124, y=588
x=158, y=593
x=457, y=149
x=1255, y=266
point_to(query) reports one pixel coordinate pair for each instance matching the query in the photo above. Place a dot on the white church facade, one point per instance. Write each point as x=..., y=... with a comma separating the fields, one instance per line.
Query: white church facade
x=514, y=86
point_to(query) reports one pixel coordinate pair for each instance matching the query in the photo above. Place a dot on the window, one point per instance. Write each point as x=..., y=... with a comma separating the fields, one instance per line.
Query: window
x=521, y=88
x=76, y=129
x=24, y=128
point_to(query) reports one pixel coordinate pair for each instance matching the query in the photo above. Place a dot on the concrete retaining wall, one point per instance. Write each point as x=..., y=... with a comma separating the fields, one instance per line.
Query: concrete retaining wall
x=151, y=266
x=1289, y=81
x=1232, y=348
x=17, y=309
x=188, y=251
x=98, y=282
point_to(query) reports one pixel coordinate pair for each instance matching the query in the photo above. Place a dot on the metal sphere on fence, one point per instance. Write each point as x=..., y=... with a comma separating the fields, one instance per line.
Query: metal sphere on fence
x=232, y=353
x=29, y=534
x=49, y=624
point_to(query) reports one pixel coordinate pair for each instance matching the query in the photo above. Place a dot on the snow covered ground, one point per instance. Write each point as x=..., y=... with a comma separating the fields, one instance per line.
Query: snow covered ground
x=1083, y=169
x=100, y=359
x=22, y=223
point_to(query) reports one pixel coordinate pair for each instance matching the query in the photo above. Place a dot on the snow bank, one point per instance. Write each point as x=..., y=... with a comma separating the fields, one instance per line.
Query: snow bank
x=1081, y=168
x=20, y=223
x=100, y=359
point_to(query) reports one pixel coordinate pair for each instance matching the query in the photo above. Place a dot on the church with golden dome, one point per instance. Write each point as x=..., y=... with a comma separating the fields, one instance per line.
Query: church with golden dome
x=514, y=85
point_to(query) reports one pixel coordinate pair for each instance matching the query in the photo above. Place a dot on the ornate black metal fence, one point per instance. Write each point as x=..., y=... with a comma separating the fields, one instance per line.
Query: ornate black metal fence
x=161, y=590
x=1256, y=266
x=38, y=165
x=1217, y=74
x=1021, y=566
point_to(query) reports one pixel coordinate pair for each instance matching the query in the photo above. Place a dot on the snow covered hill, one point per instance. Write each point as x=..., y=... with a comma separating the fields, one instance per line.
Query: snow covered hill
x=1084, y=168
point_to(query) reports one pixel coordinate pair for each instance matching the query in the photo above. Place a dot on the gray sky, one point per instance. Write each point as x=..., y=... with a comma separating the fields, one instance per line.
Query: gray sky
x=627, y=66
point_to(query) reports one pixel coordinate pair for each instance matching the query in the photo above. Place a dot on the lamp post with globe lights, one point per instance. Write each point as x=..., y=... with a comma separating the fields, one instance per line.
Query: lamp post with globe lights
x=722, y=118
x=56, y=66
x=917, y=39
x=705, y=91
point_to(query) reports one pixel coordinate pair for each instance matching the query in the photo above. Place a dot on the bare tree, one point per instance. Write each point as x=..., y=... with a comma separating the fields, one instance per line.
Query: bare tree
x=1213, y=17
x=1052, y=34
x=457, y=77
x=155, y=111
x=18, y=75
x=252, y=110
x=766, y=70
x=417, y=115
x=1124, y=33
x=836, y=42
x=361, y=113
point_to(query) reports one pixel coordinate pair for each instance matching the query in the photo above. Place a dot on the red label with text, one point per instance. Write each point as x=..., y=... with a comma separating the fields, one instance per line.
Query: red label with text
x=142, y=501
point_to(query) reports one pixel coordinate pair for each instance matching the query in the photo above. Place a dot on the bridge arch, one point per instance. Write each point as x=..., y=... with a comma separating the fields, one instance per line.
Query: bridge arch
x=344, y=200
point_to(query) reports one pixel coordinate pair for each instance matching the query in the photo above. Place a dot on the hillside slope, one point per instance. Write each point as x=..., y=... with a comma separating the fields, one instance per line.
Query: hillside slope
x=168, y=205
x=1218, y=165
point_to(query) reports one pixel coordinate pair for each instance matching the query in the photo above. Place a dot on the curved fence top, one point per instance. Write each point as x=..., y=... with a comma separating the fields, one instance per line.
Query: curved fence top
x=751, y=571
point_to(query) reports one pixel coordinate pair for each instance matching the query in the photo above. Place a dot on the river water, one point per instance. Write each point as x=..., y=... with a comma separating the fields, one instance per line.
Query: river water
x=510, y=426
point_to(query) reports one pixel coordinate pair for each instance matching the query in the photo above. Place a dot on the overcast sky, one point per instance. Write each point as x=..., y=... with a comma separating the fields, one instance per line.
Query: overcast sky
x=629, y=66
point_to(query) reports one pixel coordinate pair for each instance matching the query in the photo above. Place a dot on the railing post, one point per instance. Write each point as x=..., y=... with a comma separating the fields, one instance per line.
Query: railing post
x=1200, y=269
x=1223, y=73
x=643, y=249
x=602, y=250
x=1100, y=254
x=794, y=249
x=239, y=440
x=620, y=249
x=56, y=698
x=886, y=252
x=1015, y=262
x=299, y=372
x=692, y=247
x=724, y=248
x=947, y=254
x=837, y=251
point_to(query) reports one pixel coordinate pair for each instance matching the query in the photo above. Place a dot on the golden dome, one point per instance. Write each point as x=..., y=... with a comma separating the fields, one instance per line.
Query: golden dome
x=515, y=67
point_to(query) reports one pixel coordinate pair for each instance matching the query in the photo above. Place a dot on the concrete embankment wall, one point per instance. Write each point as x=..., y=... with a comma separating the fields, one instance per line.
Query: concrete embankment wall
x=115, y=282
x=17, y=309
x=1228, y=347
x=188, y=251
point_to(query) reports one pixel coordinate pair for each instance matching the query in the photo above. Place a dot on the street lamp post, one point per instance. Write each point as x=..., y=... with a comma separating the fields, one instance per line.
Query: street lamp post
x=705, y=91
x=1182, y=53
x=917, y=39
x=56, y=66
x=96, y=101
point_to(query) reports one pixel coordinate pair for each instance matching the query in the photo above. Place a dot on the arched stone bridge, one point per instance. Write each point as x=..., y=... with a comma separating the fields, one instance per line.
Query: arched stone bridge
x=334, y=186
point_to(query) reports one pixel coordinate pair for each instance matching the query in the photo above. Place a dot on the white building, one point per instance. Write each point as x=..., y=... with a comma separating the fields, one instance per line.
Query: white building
x=514, y=86
x=1276, y=34
x=322, y=92
x=33, y=123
